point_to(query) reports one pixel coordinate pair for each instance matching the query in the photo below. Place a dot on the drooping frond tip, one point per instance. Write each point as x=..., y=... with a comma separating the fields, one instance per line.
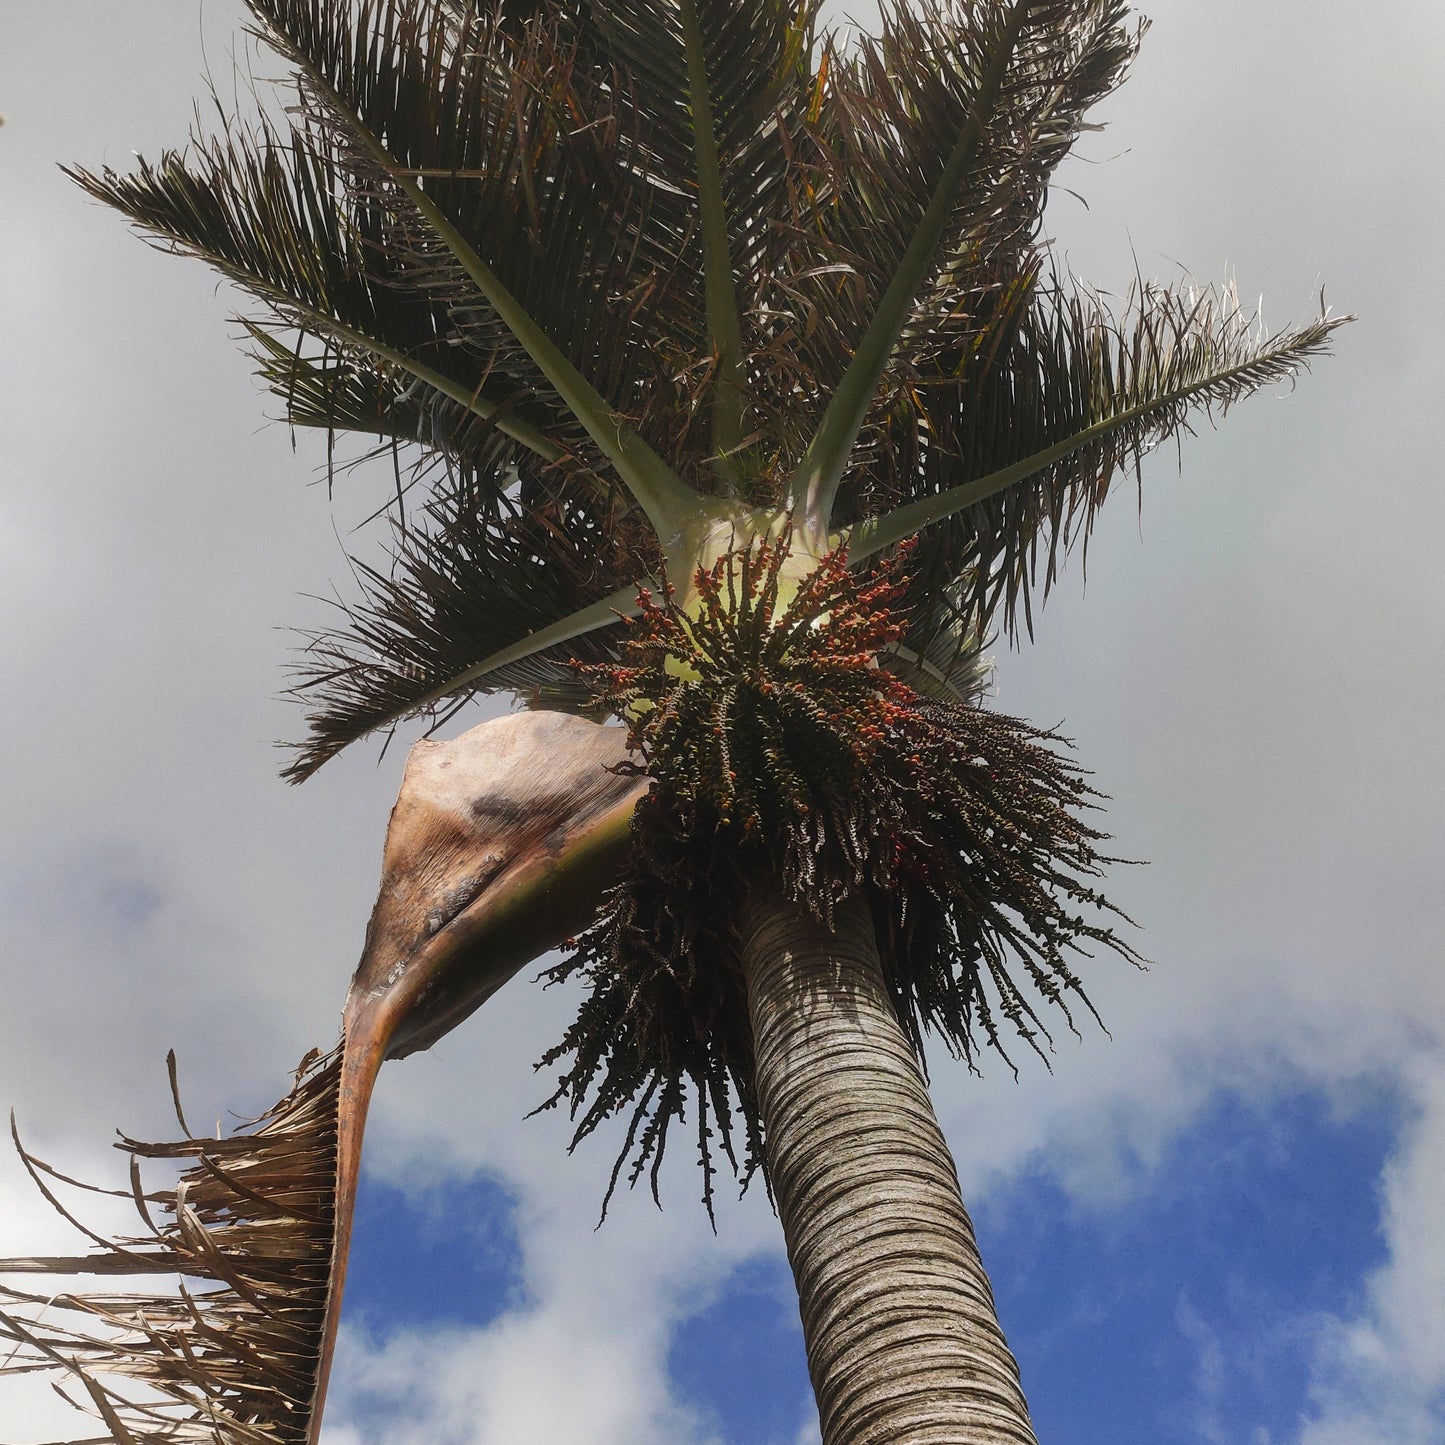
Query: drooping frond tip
x=233, y=1351
x=470, y=605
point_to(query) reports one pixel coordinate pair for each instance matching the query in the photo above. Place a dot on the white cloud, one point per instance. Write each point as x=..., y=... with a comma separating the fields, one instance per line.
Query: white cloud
x=582, y=1353
x=1210, y=1371
x=530, y=1379
x=1379, y=1377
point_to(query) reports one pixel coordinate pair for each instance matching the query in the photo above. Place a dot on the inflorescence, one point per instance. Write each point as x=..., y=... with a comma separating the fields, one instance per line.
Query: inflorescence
x=779, y=747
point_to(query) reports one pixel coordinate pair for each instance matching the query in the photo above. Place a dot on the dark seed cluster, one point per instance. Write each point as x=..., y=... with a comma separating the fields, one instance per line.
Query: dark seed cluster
x=779, y=747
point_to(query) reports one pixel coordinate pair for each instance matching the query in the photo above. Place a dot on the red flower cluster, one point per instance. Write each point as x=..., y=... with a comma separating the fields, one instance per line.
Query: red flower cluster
x=780, y=747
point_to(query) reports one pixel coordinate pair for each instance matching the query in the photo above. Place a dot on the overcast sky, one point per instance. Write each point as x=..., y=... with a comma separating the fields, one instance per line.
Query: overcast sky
x=1219, y=1226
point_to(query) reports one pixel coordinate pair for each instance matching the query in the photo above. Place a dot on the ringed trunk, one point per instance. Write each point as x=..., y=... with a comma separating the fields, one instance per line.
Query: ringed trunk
x=904, y=1345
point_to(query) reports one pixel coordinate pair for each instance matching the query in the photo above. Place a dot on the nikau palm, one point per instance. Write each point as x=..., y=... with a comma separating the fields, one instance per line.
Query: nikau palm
x=739, y=402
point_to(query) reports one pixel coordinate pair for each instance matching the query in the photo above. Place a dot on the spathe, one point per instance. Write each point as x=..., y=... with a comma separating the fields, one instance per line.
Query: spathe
x=498, y=849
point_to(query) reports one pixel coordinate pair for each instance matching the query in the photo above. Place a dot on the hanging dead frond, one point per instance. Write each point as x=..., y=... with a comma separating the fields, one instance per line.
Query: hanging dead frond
x=226, y=1347
x=499, y=846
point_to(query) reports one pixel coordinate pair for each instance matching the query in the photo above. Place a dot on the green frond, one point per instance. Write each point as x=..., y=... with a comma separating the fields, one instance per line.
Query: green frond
x=1043, y=429
x=395, y=96
x=471, y=605
x=430, y=441
x=723, y=325
x=747, y=68
x=543, y=247
x=940, y=139
x=269, y=213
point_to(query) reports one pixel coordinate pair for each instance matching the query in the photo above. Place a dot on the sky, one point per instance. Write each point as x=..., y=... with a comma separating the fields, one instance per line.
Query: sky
x=1218, y=1224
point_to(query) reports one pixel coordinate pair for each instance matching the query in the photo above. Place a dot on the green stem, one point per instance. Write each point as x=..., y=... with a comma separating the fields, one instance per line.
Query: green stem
x=724, y=327
x=815, y=484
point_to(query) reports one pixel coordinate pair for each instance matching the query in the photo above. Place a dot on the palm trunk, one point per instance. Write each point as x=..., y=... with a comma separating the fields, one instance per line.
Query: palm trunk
x=904, y=1346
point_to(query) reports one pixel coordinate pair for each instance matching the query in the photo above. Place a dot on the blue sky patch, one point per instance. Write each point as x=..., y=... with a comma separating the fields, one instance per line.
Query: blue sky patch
x=740, y=1361
x=1190, y=1312
x=447, y=1256
x=1186, y=1313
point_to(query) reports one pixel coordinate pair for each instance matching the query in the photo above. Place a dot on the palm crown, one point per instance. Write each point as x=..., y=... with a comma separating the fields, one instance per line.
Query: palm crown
x=625, y=282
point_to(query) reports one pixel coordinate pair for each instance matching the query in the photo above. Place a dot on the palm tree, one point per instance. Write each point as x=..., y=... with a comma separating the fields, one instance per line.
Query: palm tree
x=734, y=396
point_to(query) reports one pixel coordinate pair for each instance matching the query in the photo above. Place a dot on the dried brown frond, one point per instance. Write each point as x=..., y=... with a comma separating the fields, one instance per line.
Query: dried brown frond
x=223, y=1343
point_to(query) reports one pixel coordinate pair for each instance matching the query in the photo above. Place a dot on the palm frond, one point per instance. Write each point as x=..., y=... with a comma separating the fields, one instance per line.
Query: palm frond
x=723, y=323
x=814, y=488
x=234, y=1354
x=303, y=222
x=471, y=605
x=269, y=213
x=1079, y=396
x=417, y=109
x=746, y=66
x=940, y=138
x=751, y=49
x=541, y=246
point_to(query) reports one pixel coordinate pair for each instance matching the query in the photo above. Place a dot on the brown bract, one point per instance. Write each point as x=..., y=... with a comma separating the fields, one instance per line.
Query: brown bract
x=498, y=848
x=514, y=814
